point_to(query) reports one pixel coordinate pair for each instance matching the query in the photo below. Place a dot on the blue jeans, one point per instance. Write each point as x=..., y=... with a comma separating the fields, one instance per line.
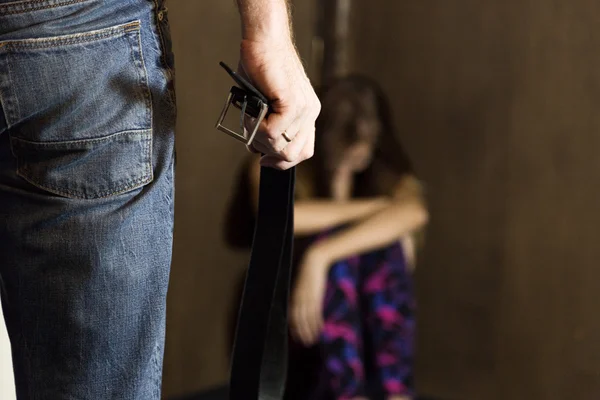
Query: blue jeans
x=87, y=112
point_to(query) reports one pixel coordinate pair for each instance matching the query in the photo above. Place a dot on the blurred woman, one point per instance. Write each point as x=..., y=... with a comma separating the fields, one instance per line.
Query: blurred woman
x=359, y=209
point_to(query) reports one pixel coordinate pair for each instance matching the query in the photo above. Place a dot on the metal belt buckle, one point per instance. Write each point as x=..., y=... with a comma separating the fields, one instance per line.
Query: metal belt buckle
x=250, y=101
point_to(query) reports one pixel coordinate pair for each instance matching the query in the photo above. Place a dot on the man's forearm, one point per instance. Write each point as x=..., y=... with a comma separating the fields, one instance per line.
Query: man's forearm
x=269, y=59
x=265, y=20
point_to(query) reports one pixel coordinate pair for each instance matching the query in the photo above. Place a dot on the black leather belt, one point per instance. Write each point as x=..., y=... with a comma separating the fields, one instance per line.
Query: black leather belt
x=259, y=364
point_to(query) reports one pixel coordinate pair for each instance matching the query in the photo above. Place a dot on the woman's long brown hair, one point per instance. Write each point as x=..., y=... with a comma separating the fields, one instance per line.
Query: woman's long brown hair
x=355, y=108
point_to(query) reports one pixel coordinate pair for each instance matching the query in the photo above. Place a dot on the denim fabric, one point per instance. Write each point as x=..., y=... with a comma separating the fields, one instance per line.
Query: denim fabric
x=87, y=112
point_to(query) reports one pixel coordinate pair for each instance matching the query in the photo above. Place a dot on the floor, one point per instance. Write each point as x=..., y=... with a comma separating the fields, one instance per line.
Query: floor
x=221, y=394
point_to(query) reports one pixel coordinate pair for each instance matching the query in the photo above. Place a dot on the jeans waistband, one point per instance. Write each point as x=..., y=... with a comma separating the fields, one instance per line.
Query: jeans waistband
x=34, y=18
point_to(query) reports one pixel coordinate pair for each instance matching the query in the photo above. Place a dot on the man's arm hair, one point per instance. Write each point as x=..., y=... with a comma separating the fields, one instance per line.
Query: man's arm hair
x=265, y=19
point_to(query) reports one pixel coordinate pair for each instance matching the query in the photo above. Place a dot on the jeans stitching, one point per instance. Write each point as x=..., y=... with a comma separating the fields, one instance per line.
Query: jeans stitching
x=157, y=369
x=23, y=171
x=145, y=86
x=78, y=38
x=22, y=7
x=160, y=35
x=67, y=143
x=138, y=62
x=4, y=103
x=170, y=70
x=14, y=102
x=125, y=187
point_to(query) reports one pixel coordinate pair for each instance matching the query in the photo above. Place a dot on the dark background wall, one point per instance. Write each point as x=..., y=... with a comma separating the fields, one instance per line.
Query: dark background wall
x=497, y=102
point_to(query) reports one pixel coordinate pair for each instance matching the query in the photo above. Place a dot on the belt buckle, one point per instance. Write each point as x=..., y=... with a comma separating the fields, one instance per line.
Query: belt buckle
x=249, y=101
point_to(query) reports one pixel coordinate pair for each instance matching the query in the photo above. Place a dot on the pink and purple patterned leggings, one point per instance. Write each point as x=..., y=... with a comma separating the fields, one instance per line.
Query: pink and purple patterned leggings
x=369, y=296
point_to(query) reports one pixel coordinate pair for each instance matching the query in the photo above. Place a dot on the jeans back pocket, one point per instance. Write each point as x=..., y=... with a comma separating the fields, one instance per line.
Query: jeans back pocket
x=79, y=111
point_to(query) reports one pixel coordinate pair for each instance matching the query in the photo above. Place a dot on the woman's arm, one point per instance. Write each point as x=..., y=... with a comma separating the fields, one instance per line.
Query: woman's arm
x=314, y=216
x=406, y=213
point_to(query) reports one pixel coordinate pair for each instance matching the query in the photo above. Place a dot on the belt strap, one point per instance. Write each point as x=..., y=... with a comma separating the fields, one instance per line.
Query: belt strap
x=259, y=365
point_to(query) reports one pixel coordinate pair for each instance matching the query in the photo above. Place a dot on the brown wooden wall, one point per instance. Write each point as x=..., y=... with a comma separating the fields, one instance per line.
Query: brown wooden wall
x=499, y=104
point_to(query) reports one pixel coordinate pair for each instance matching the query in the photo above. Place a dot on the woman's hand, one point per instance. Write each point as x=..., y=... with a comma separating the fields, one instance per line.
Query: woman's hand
x=308, y=297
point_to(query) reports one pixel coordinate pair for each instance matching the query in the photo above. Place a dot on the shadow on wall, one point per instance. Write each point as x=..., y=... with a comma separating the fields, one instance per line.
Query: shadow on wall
x=200, y=289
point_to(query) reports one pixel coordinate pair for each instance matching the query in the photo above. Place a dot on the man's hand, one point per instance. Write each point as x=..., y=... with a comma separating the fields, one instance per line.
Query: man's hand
x=270, y=61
